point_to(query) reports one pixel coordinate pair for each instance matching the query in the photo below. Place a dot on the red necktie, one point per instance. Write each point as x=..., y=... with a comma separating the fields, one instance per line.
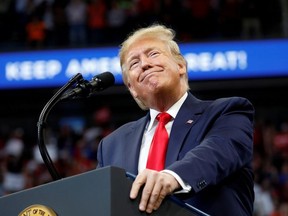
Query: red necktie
x=157, y=152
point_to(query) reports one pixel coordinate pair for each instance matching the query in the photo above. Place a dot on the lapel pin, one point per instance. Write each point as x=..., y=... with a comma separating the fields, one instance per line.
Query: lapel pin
x=190, y=121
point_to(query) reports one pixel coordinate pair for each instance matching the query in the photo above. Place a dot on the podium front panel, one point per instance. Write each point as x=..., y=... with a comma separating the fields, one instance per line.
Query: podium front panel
x=101, y=192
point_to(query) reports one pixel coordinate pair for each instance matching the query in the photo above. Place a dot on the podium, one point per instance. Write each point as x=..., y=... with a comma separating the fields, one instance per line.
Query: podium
x=101, y=192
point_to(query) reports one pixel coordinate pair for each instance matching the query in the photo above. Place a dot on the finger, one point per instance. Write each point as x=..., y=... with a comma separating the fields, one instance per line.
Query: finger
x=161, y=189
x=147, y=193
x=154, y=197
x=160, y=199
x=137, y=184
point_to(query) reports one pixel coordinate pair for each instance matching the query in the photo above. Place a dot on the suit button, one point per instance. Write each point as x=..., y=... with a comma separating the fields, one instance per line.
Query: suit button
x=201, y=184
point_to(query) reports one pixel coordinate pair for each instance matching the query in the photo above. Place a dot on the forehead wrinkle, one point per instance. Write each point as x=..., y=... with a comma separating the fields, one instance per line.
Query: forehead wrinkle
x=137, y=53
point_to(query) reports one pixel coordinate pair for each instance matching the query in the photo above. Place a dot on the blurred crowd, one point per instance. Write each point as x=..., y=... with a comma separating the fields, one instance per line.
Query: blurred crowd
x=271, y=168
x=72, y=149
x=65, y=23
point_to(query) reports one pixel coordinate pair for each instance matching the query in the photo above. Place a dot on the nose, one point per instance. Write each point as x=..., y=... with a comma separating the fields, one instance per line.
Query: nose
x=145, y=63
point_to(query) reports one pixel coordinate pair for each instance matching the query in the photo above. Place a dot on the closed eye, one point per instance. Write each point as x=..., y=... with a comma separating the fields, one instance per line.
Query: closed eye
x=133, y=63
x=154, y=53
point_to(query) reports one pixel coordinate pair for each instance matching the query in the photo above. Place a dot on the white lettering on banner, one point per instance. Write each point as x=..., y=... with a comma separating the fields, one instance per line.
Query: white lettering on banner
x=92, y=66
x=28, y=70
x=115, y=66
x=73, y=68
x=243, y=60
x=207, y=61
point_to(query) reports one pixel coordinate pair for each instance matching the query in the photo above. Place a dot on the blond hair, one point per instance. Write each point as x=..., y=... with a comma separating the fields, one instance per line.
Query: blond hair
x=158, y=32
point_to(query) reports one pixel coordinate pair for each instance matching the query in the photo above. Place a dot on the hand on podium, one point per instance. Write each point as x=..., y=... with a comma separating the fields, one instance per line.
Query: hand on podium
x=156, y=186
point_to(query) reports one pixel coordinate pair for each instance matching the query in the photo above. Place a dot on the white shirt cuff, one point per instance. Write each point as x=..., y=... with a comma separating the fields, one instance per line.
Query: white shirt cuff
x=186, y=188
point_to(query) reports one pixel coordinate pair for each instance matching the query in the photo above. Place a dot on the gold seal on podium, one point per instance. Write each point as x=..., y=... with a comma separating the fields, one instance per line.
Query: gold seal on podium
x=37, y=210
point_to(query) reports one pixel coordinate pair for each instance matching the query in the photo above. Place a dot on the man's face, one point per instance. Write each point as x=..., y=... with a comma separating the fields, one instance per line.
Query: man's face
x=152, y=70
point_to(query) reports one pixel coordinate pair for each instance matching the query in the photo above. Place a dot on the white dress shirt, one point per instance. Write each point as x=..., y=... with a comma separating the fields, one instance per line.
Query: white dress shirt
x=148, y=136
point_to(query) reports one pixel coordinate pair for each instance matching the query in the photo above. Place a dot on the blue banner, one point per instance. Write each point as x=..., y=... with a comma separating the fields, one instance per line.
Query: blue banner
x=206, y=61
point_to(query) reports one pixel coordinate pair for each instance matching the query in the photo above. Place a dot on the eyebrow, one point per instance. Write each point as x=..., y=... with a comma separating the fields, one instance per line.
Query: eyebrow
x=147, y=50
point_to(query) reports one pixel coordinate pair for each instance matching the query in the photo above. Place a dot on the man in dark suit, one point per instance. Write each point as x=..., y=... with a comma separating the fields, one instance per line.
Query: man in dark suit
x=209, y=154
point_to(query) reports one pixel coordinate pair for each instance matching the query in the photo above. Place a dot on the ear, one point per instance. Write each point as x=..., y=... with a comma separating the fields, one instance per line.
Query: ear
x=181, y=68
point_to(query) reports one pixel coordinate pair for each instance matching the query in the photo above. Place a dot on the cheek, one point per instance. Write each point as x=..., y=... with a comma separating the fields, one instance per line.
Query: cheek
x=133, y=89
x=177, y=71
x=132, y=76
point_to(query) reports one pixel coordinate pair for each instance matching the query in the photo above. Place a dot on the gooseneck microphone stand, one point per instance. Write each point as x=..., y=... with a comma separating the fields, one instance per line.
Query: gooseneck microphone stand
x=42, y=124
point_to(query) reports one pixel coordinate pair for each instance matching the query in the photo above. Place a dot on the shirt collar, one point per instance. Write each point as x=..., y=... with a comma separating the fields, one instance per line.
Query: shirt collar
x=173, y=110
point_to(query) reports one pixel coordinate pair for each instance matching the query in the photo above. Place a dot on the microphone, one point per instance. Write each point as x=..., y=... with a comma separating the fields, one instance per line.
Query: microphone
x=85, y=88
x=102, y=81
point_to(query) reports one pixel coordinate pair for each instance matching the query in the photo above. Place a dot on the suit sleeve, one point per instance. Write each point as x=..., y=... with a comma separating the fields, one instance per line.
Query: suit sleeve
x=225, y=144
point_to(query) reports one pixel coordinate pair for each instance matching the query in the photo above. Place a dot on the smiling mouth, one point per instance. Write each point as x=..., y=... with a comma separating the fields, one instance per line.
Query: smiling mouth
x=147, y=75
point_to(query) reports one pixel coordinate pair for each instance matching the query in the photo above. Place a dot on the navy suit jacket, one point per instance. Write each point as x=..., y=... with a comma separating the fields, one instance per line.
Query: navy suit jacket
x=210, y=148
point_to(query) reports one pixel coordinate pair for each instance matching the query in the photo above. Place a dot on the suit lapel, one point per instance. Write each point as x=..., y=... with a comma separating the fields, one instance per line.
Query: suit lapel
x=186, y=118
x=133, y=144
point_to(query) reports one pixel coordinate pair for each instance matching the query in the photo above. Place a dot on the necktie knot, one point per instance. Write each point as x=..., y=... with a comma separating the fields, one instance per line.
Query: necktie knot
x=163, y=117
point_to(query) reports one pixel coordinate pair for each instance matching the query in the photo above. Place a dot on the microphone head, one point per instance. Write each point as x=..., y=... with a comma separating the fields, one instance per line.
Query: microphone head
x=104, y=80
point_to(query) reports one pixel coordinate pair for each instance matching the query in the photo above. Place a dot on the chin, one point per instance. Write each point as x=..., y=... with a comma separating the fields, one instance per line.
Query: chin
x=155, y=88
